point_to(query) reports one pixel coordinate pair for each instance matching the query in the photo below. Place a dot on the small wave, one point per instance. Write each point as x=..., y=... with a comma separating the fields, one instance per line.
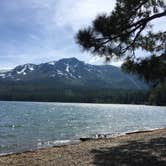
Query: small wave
x=40, y=145
x=5, y=154
x=12, y=126
x=102, y=136
x=56, y=143
x=143, y=130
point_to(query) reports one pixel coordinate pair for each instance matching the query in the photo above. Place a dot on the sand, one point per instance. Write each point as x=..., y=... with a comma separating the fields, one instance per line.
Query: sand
x=135, y=149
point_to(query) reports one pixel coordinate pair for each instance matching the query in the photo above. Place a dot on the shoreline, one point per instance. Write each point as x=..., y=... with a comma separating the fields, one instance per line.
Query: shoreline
x=82, y=139
x=83, y=151
x=60, y=102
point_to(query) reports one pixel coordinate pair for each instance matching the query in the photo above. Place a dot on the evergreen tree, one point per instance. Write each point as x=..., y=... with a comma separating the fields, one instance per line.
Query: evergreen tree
x=126, y=29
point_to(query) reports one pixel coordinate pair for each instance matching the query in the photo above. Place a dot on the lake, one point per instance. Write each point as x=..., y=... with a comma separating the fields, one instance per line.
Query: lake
x=29, y=125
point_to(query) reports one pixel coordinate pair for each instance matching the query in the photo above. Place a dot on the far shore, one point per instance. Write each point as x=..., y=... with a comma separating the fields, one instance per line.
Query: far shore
x=76, y=102
x=147, y=148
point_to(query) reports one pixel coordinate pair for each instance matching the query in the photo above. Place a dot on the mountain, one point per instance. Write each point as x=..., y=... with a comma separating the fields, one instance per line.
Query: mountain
x=4, y=71
x=72, y=72
x=71, y=80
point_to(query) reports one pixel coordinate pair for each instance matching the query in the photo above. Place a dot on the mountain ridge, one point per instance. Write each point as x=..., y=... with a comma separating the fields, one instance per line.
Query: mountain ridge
x=73, y=72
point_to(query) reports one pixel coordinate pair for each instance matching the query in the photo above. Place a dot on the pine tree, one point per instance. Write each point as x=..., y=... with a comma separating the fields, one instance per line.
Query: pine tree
x=126, y=29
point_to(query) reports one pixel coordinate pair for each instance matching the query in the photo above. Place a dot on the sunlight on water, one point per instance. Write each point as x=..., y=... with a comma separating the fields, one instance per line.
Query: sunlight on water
x=27, y=125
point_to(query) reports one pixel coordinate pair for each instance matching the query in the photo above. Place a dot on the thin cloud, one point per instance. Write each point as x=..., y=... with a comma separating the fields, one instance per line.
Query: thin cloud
x=79, y=13
x=35, y=31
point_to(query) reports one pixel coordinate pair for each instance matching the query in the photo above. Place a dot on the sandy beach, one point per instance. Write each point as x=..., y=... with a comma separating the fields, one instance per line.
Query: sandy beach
x=137, y=149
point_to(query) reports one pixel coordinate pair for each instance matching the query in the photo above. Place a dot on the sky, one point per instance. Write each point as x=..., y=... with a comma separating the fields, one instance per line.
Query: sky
x=37, y=31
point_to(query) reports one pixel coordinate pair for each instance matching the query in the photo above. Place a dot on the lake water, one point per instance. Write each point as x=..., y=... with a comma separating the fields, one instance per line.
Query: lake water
x=27, y=125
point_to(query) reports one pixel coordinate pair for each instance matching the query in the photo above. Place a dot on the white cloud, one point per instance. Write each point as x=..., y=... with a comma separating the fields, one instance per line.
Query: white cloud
x=80, y=13
x=96, y=60
x=36, y=31
x=159, y=24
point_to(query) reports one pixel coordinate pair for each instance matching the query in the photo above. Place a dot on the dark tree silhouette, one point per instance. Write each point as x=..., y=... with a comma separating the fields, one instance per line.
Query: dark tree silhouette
x=126, y=29
x=153, y=68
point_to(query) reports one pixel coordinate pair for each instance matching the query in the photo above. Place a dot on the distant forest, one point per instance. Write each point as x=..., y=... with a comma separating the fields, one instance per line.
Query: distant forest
x=31, y=92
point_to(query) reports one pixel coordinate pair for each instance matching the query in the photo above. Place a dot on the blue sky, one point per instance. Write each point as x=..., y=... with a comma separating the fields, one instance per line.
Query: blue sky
x=36, y=31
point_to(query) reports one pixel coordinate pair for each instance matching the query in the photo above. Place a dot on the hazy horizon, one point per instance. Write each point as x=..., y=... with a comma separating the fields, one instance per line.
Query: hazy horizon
x=118, y=64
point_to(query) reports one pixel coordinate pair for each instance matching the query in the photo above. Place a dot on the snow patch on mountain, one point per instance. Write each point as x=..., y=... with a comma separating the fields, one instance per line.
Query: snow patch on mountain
x=52, y=63
x=60, y=72
x=74, y=70
x=22, y=71
x=3, y=75
x=67, y=68
x=31, y=68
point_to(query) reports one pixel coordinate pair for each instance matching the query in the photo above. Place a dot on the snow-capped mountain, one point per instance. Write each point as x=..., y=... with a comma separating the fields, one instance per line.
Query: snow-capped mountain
x=73, y=72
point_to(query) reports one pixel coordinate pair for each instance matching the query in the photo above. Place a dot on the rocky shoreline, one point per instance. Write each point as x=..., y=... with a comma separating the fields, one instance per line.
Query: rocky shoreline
x=137, y=148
